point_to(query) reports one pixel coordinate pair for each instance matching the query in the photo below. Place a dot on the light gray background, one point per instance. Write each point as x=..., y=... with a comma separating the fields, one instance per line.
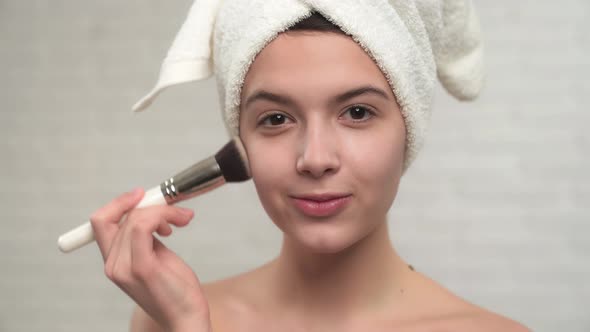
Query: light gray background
x=495, y=208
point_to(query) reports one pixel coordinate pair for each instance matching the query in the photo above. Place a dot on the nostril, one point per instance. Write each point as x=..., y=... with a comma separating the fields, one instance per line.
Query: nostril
x=317, y=172
x=317, y=158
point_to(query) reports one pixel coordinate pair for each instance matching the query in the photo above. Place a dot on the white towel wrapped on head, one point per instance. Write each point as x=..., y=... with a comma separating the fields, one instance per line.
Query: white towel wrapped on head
x=412, y=41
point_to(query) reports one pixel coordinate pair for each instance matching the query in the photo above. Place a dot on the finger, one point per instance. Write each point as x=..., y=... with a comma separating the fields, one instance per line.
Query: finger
x=171, y=260
x=114, y=255
x=142, y=240
x=117, y=266
x=105, y=220
x=164, y=229
x=144, y=221
x=114, y=252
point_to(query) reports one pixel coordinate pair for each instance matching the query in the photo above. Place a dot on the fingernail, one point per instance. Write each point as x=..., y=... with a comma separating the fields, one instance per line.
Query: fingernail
x=186, y=211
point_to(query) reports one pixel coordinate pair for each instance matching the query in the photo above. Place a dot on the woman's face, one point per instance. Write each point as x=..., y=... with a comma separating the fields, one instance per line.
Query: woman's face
x=317, y=118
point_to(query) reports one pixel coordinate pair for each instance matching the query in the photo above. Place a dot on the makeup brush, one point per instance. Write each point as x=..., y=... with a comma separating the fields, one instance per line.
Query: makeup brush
x=230, y=164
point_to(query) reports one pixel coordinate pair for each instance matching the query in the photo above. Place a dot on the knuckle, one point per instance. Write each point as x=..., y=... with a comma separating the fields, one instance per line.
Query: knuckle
x=147, y=222
x=140, y=272
x=108, y=271
x=122, y=278
x=137, y=230
x=139, y=225
x=96, y=219
x=134, y=214
x=135, y=219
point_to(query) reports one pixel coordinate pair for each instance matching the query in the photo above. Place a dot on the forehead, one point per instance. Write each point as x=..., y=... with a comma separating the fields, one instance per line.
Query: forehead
x=312, y=60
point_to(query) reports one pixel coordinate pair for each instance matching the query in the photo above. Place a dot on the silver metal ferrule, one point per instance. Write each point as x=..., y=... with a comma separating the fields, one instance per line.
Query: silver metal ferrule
x=193, y=181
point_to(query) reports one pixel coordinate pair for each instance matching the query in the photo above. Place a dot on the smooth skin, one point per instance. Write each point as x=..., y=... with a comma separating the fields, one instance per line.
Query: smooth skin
x=336, y=273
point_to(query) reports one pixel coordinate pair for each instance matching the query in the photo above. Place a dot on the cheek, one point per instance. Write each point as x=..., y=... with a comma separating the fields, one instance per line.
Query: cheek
x=268, y=161
x=377, y=166
x=270, y=164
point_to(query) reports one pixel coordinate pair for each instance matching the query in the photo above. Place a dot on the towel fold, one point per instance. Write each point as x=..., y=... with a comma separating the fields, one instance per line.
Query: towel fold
x=412, y=42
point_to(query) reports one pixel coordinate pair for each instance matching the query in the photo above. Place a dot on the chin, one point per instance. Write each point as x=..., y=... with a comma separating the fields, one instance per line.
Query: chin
x=326, y=238
x=325, y=247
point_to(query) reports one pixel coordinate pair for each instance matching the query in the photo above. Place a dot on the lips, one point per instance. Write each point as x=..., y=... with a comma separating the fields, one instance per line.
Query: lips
x=321, y=205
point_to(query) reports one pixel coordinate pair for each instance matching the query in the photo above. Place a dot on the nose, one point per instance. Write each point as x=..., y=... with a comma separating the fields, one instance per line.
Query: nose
x=319, y=153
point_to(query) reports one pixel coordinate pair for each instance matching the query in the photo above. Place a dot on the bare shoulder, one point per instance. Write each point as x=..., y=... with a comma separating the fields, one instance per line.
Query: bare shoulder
x=469, y=317
x=482, y=320
x=463, y=317
x=141, y=321
x=450, y=312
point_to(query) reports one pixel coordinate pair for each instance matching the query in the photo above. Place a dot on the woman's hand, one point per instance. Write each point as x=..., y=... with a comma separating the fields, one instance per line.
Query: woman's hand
x=138, y=263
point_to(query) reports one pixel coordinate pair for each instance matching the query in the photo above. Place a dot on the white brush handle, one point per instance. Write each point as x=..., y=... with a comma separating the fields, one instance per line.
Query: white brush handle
x=83, y=234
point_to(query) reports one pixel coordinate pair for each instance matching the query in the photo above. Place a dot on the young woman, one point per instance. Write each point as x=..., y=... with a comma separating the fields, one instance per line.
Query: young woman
x=320, y=123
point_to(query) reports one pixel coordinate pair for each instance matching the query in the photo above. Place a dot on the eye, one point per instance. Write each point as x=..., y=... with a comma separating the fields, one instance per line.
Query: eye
x=359, y=113
x=273, y=120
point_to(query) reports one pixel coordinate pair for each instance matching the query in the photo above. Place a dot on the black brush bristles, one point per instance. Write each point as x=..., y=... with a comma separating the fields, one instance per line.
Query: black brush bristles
x=233, y=161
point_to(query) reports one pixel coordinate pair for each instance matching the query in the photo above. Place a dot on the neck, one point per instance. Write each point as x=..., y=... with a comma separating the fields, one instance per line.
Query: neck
x=364, y=277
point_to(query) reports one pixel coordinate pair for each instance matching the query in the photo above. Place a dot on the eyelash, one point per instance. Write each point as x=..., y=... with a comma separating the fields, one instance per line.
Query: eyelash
x=368, y=110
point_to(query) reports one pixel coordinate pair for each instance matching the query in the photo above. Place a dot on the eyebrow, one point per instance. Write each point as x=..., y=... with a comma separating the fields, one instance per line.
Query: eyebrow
x=285, y=100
